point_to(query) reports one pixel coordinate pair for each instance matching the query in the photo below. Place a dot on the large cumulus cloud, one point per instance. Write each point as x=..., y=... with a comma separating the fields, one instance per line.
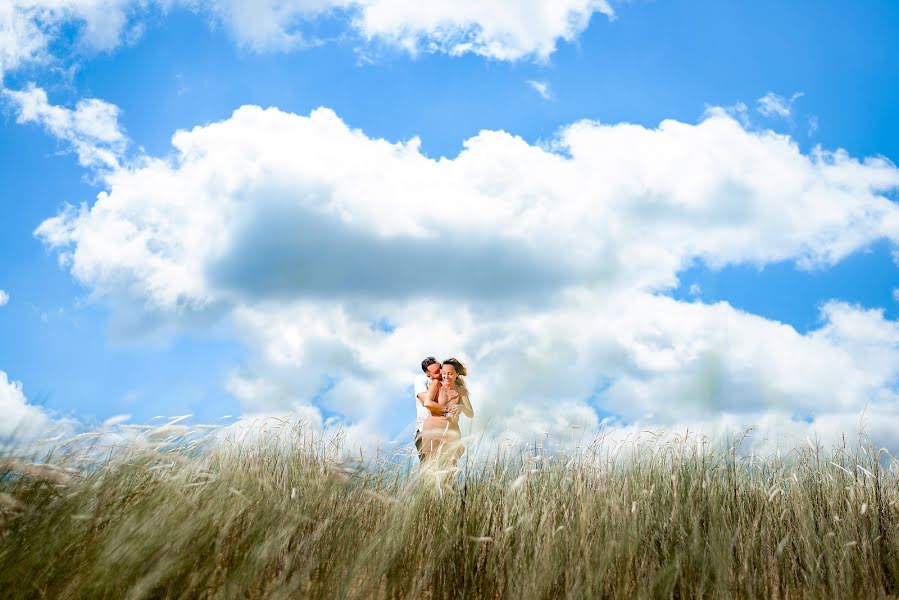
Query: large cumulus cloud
x=246, y=208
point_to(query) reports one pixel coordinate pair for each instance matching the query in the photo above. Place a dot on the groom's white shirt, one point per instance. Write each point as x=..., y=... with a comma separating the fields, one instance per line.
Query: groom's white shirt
x=421, y=384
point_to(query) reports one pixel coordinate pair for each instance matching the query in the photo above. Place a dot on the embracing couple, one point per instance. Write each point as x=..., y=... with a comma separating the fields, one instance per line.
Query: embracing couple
x=441, y=396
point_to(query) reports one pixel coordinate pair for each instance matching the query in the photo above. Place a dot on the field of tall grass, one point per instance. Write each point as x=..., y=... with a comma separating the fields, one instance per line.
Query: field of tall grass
x=290, y=515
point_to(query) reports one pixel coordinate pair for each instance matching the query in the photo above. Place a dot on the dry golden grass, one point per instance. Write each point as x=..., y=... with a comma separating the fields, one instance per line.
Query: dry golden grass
x=286, y=517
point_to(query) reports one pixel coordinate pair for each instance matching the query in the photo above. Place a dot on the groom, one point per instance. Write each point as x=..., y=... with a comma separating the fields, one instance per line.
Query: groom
x=430, y=372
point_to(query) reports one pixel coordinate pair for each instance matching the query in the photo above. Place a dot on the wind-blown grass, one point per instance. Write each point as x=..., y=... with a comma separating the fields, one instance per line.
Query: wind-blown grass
x=285, y=517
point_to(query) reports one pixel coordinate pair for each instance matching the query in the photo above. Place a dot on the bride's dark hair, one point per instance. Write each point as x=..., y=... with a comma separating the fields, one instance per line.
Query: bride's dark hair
x=457, y=365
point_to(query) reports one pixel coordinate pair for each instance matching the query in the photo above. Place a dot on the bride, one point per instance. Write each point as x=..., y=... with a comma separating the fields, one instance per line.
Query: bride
x=441, y=437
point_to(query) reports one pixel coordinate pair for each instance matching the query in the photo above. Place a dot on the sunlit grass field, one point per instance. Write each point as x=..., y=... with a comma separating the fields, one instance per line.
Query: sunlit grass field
x=290, y=515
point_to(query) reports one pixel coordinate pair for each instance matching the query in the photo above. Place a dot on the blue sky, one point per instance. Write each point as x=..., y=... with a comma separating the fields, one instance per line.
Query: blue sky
x=831, y=67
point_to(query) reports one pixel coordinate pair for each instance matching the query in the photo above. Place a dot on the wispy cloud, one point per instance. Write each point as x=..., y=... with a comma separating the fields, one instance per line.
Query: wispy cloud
x=29, y=28
x=4, y=298
x=773, y=105
x=812, y=125
x=542, y=88
x=92, y=128
x=738, y=112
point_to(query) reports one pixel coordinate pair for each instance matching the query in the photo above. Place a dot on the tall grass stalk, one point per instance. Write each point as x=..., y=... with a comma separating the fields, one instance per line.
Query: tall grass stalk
x=287, y=516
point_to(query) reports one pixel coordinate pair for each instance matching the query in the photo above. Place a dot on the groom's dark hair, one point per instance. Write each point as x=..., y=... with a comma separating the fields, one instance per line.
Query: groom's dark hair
x=427, y=363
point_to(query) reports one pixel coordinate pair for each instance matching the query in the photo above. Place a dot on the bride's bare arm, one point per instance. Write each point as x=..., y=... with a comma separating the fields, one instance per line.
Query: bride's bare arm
x=430, y=400
x=465, y=404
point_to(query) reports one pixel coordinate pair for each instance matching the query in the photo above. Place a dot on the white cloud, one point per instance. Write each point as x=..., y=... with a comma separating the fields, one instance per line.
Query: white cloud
x=772, y=105
x=92, y=128
x=738, y=112
x=18, y=418
x=4, y=297
x=28, y=27
x=812, y=125
x=649, y=360
x=542, y=88
x=269, y=25
x=538, y=264
x=270, y=205
x=502, y=30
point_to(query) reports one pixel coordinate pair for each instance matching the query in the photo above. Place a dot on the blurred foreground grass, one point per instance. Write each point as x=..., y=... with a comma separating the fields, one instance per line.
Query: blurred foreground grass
x=286, y=516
